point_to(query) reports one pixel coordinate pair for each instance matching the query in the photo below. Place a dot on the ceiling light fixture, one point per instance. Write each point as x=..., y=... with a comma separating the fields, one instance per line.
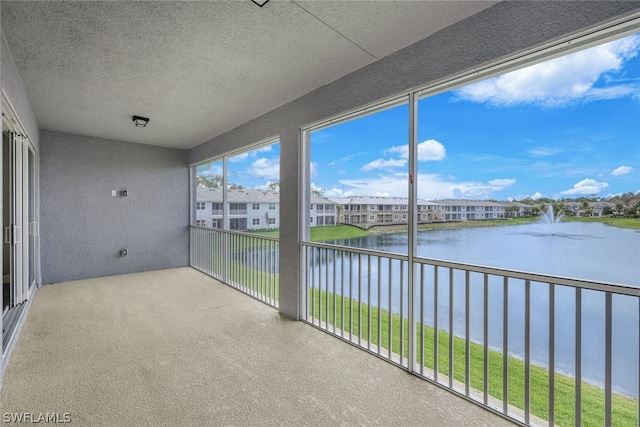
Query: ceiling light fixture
x=140, y=121
x=260, y=2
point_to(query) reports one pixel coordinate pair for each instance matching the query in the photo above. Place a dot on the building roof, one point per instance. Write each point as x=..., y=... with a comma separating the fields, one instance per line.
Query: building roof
x=463, y=202
x=248, y=195
x=377, y=200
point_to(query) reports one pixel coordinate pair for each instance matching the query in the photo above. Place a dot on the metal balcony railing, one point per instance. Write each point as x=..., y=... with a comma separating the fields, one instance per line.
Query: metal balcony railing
x=245, y=261
x=540, y=349
x=537, y=348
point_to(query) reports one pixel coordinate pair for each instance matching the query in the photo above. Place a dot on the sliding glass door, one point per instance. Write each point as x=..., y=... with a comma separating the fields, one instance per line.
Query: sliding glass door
x=19, y=226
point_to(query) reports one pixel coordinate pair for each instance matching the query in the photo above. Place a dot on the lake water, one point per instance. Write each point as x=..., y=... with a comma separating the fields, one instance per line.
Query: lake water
x=590, y=251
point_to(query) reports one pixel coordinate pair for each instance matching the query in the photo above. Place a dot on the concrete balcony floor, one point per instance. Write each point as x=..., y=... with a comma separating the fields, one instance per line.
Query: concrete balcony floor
x=176, y=347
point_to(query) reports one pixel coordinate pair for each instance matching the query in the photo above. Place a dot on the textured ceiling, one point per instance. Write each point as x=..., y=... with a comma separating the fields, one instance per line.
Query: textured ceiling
x=198, y=69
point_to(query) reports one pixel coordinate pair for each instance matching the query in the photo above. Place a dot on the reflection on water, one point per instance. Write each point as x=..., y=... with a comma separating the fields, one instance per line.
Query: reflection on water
x=581, y=250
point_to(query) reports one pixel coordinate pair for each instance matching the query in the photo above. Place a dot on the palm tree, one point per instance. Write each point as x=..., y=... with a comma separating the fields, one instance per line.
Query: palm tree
x=543, y=207
x=560, y=208
x=585, y=207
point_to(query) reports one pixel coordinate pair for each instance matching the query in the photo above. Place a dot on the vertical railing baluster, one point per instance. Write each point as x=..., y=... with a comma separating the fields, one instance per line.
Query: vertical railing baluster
x=359, y=299
x=308, y=280
x=236, y=258
x=244, y=265
x=401, y=313
x=200, y=252
x=252, y=269
x=527, y=350
x=379, y=304
x=552, y=353
x=215, y=255
x=267, y=270
x=199, y=244
x=260, y=257
x=275, y=278
x=467, y=334
x=608, y=336
x=249, y=268
x=313, y=284
x=226, y=254
x=505, y=346
x=212, y=252
x=485, y=384
x=335, y=268
x=326, y=287
x=230, y=265
x=322, y=251
x=350, y=296
x=342, y=299
x=435, y=323
x=368, y=302
x=451, y=352
x=390, y=308
x=422, y=319
x=195, y=255
x=578, y=358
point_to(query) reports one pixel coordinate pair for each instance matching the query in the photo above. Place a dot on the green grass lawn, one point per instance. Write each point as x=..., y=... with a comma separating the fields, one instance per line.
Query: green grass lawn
x=633, y=223
x=325, y=233
x=359, y=319
x=336, y=232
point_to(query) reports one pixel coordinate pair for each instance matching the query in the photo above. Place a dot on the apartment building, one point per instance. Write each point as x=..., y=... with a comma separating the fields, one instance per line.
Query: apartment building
x=595, y=208
x=251, y=209
x=469, y=210
x=372, y=210
x=378, y=210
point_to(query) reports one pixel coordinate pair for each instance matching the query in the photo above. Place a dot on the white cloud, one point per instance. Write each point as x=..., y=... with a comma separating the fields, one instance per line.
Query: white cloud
x=254, y=153
x=502, y=182
x=622, y=170
x=383, y=164
x=266, y=168
x=585, y=187
x=561, y=81
x=429, y=187
x=214, y=169
x=239, y=157
x=427, y=150
x=545, y=151
x=537, y=195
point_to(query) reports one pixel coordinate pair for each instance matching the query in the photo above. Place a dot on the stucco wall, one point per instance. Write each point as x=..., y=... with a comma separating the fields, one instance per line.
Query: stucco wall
x=506, y=29
x=13, y=86
x=84, y=227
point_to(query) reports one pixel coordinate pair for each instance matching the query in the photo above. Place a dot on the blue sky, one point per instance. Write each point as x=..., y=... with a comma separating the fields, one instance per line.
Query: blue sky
x=568, y=127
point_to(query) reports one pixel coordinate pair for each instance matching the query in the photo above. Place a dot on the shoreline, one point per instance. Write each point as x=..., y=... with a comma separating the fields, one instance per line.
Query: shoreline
x=626, y=223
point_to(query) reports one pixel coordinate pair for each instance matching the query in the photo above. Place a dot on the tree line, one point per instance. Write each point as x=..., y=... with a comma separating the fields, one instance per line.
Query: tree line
x=625, y=204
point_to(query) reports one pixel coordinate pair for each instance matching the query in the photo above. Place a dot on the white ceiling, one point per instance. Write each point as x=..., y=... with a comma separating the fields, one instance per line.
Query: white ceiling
x=198, y=69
